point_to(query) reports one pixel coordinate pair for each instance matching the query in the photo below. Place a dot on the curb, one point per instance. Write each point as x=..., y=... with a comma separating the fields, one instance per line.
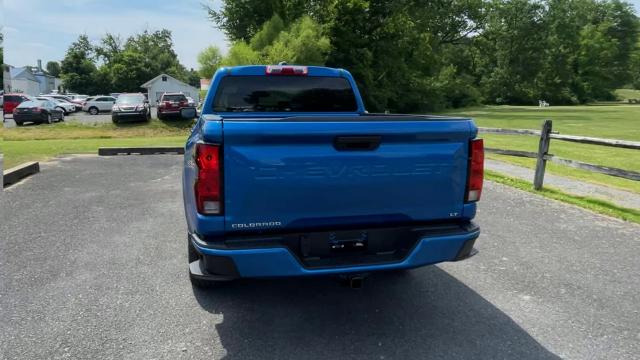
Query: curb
x=114, y=151
x=13, y=175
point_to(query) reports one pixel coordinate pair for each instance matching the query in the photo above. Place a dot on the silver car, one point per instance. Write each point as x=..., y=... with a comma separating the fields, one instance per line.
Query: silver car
x=99, y=104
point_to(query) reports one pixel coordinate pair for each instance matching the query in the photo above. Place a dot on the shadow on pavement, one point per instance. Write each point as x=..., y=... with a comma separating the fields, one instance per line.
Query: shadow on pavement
x=422, y=314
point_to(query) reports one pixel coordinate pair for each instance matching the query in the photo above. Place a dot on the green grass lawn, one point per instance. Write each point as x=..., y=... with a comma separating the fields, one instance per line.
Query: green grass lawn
x=17, y=152
x=605, y=121
x=624, y=94
x=613, y=121
x=38, y=143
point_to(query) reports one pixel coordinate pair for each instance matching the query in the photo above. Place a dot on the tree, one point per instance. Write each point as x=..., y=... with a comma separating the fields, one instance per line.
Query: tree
x=241, y=53
x=303, y=42
x=129, y=64
x=421, y=55
x=634, y=68
x=209, y=60
x=193, y=78
x=242, y=19
x=78, y=69
x=512, y=45
x=53, y=68
x=123, y=65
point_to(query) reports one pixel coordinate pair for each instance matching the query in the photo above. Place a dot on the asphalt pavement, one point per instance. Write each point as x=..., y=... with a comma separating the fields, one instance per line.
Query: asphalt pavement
x=93, y=263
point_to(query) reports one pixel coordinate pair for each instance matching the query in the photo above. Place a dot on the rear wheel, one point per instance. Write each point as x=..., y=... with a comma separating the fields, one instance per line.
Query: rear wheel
x=93, y=110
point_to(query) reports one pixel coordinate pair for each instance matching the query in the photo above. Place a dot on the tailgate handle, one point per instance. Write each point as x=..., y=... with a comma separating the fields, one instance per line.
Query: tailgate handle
x=356, y=143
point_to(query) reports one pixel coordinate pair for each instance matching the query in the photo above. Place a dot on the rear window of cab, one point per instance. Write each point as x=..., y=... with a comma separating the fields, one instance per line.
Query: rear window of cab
x=284, y=94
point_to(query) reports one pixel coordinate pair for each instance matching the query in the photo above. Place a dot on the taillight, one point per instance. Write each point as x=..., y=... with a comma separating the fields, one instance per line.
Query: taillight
x=35, y=109
x=476, y=170
x=286, y=70
x=209, y=183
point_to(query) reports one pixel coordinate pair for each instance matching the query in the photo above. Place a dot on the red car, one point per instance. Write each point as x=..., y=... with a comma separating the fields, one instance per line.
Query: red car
x=11, y=101
x=170, y=104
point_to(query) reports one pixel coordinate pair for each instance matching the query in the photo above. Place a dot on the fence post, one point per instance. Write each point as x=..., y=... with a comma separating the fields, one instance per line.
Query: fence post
x=543, y=149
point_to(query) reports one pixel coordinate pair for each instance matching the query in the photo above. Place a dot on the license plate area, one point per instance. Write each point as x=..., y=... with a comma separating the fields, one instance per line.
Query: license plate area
x=333, y=243
x=334, y=248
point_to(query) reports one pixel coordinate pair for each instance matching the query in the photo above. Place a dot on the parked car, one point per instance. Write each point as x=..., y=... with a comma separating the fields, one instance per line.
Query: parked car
x=65, y=98
x=99, y=104
x=191, y=102
x=171, y=104
x=11, y=101
x=63, y=105
x=286, y=174
x=78, y=100
x=131, y=107
x=37, y=111
x=78, y=97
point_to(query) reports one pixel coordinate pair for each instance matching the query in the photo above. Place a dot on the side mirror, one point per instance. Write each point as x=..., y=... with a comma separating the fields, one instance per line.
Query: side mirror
x=188, y=113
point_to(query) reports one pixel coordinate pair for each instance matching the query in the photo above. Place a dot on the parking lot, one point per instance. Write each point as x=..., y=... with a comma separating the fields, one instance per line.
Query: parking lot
x=94, y=253
x=79, y=117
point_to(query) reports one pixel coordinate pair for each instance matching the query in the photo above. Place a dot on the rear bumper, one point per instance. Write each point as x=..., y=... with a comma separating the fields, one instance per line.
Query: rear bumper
x=28, y=118
x=279, y=261
x=129, y=114
x=169, y=112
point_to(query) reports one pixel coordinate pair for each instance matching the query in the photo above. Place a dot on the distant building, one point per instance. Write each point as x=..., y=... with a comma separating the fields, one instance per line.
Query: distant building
x=23, y=81
x=47, y=82
x=29, y=80
x=164, y=83
x=6, y=78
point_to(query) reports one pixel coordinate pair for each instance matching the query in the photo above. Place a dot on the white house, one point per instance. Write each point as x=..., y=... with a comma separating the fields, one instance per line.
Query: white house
x=6, y=78
x=164, y=83
x=23, y=81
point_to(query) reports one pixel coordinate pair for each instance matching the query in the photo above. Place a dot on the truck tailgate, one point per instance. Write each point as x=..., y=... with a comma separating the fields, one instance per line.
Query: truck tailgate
x=320, y=172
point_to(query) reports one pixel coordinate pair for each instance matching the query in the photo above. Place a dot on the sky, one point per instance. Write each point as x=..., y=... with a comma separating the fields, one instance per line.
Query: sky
x=44, y=29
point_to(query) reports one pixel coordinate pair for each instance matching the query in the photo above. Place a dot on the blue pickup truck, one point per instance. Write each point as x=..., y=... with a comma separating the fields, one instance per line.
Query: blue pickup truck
x=286, y=174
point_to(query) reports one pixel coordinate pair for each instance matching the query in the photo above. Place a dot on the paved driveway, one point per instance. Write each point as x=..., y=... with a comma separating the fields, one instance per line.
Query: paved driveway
x=93, y=264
